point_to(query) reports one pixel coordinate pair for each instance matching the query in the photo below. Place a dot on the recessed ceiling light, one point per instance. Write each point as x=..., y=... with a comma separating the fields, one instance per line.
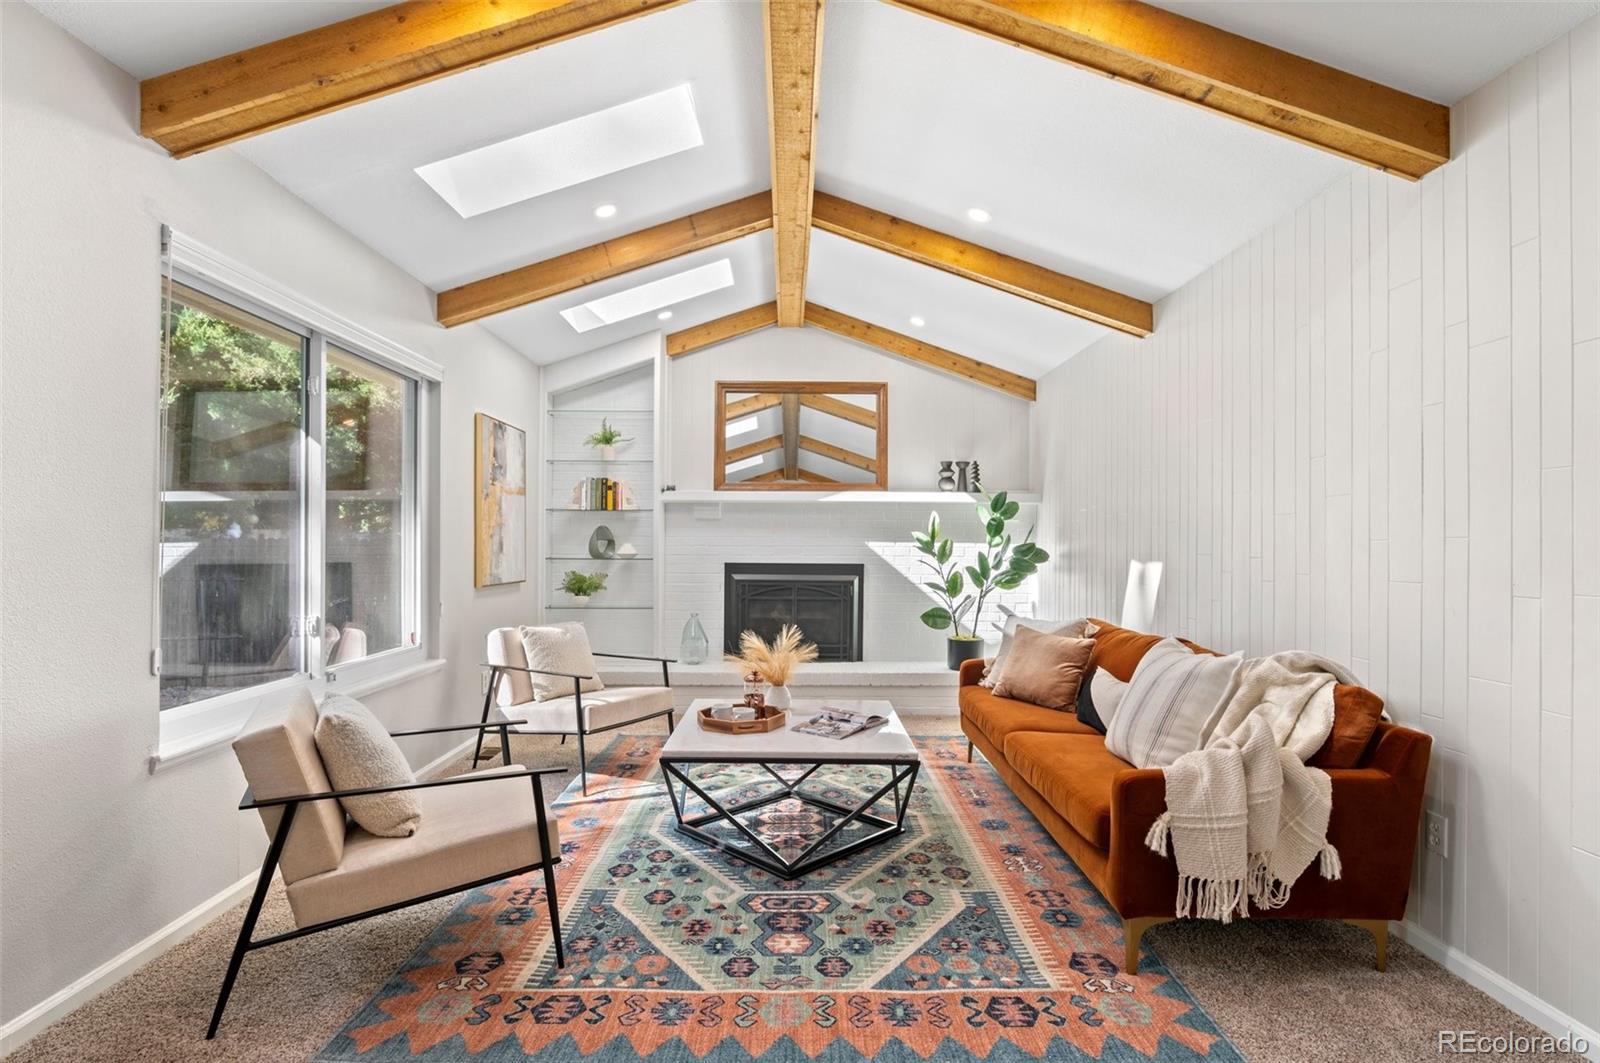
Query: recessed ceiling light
x=665, y=315
x=606, y=210
x=978, y=214
x=567, y=153
x=649, y=297
x=917, y=322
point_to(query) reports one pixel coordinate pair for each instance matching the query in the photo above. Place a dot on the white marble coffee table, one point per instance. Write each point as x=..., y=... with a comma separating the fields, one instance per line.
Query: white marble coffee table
x=888, y=747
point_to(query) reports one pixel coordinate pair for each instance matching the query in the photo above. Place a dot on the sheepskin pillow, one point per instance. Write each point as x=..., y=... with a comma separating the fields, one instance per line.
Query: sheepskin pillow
x=1173, y=698
x=560, y=648
x=358, y=753
x=1080, y=628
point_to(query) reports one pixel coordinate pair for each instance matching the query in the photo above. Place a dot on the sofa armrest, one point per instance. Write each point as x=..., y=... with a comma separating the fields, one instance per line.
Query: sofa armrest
x=972, y=671
x=1376, y=809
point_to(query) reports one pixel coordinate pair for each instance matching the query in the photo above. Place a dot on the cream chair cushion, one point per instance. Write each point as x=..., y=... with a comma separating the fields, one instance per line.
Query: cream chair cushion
x=358, y=753
x=603, y=709
x=505, y=648
x=560, y=648
x=278, y=751
x=469, y=831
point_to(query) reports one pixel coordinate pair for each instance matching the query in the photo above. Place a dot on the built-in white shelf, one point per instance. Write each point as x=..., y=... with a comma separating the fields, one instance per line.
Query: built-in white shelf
x=767, y=498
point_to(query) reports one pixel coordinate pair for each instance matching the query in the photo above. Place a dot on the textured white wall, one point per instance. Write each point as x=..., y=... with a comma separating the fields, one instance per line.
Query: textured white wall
x=1374, y=431
x=97, y=853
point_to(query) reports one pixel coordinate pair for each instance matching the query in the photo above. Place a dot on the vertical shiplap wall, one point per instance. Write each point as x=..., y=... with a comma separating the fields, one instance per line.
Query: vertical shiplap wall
x=1374, y=431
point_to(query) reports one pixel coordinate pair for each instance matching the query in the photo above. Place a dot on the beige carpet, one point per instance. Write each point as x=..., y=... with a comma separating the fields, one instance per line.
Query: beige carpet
x=1283, y=991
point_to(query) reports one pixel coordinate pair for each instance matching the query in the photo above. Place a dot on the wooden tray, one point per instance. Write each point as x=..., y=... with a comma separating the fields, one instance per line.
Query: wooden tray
x=761, y=725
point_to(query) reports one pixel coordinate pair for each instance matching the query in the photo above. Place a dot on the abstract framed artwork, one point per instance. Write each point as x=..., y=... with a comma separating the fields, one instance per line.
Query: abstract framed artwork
x=500, y=497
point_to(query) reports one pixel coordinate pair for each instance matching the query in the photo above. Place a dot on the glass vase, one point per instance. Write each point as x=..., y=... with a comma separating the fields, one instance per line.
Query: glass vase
x=694, y=645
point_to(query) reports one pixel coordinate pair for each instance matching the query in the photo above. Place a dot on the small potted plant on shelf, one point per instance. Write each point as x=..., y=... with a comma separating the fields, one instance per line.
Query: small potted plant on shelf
x=961, y=590
x=775, y=662
x=606, y=440
x=583, y=585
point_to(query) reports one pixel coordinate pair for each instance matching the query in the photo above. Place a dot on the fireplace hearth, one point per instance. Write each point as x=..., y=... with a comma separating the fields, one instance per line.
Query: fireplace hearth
x=824, y=601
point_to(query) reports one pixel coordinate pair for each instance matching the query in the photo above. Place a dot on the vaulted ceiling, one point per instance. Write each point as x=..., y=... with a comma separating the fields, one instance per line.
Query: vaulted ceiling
x=1094, y=198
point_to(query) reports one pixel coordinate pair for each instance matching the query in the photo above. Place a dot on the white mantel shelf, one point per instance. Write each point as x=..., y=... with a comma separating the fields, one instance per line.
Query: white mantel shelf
x=768, y=498
x=818, y=674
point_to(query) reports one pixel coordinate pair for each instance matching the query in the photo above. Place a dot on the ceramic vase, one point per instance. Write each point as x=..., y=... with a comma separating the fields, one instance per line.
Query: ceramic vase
x=580, y=599
x=777, y=697
x=947, y=476
x=608, y=452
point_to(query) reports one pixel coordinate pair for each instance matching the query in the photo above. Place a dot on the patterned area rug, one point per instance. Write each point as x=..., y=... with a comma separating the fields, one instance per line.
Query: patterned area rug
x=971, y=936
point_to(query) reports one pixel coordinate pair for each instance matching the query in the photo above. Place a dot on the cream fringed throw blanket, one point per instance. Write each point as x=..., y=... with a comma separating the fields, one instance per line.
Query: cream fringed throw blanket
x=1245, y=816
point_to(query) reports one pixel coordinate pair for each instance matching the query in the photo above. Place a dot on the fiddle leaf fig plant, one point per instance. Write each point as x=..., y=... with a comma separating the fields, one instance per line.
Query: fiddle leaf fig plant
x=1000, y=565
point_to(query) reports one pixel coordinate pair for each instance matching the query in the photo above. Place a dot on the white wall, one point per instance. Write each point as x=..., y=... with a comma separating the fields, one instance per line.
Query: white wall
x=97, y=853
x=1374, y=431
x=932, y=416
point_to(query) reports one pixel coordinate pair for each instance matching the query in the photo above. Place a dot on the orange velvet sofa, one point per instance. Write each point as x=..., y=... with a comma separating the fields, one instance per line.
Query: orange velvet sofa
x=1099, y=807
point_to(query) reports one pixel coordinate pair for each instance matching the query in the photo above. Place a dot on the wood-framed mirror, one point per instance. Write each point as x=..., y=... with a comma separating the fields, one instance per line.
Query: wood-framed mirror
x=825, y=435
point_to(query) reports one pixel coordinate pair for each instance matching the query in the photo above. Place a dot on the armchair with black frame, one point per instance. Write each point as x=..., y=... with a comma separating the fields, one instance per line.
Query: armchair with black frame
x=336, y=873
x=580, y=714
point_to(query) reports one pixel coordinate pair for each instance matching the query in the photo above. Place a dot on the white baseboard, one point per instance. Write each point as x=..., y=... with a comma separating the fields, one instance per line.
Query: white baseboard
x=427, y=770
x=1537, y=1011
x=23, y=1028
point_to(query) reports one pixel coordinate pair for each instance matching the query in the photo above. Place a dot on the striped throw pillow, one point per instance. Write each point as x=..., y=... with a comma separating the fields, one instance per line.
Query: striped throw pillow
x=1172, y=699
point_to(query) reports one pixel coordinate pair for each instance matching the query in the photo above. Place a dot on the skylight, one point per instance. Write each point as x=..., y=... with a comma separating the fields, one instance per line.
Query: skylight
x=631, y=302
x=566, y=154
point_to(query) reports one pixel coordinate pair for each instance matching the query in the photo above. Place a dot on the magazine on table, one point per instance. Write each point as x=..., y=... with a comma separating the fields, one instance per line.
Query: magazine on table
x=839, y=723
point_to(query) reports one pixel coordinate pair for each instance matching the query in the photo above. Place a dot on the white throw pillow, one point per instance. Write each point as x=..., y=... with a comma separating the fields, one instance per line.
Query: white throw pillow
x=1173, y=697
x=562, y=648
x=357, y=752
x=1080, y=628
x=1106, y=691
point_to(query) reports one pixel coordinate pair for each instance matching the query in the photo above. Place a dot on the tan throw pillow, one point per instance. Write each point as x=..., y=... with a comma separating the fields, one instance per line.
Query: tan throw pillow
x=357, y=753
x=561, y=648
x=1080, y=628
x=1044, y=669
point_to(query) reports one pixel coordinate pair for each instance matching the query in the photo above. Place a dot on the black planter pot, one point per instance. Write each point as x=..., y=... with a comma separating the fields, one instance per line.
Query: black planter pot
x=959, y=651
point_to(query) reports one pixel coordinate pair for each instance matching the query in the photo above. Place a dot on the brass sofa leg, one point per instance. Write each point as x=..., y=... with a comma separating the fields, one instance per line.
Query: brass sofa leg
x=1379, y=929
x=1132, y=931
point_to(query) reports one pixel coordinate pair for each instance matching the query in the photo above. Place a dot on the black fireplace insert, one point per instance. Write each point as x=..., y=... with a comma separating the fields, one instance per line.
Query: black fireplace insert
x=824, y=601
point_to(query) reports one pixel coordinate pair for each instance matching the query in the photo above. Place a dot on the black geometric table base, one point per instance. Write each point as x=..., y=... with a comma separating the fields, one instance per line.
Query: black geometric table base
x=902, y=777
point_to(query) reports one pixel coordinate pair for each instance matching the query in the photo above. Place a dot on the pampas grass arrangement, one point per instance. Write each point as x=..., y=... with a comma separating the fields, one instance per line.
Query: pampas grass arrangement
x=776, y=662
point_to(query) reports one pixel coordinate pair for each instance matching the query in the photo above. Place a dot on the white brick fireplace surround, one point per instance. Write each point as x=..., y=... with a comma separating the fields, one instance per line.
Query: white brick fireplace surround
x=903, y=660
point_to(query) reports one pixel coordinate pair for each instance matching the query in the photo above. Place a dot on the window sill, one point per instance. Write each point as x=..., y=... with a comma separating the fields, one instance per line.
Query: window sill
x=189, y=747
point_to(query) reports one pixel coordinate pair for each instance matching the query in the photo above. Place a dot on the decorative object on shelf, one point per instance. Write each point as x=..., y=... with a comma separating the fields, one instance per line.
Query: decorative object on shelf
x=974, y=478
x=606, y=440
x=627, y=550
x=583, y=585
x=962, y=484
x=999, y=565
x=776, y=662
x=732, y=719
x=694, y=646
x=500, y=503
x=752, y=690
x=602, y=493
x=947, y=476
x=602, y=544
x=801, y=436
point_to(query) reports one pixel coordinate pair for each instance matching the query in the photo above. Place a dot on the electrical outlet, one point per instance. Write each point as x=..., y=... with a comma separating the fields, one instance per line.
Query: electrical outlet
x=1436, y=834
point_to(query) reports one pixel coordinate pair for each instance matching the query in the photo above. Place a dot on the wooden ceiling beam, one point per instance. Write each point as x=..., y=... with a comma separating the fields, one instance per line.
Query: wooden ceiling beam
x=794, y=59
x=1246, y=80
x=286, y=81
x=839, y=454
x=917, y=351
x=966, y=259
x=694, y=338
x=598, y=262
x=754, y=404
x=848, y=411
x=750, y=450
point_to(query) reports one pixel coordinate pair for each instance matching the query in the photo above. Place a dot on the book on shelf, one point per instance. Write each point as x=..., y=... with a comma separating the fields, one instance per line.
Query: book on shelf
x=839, y=723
